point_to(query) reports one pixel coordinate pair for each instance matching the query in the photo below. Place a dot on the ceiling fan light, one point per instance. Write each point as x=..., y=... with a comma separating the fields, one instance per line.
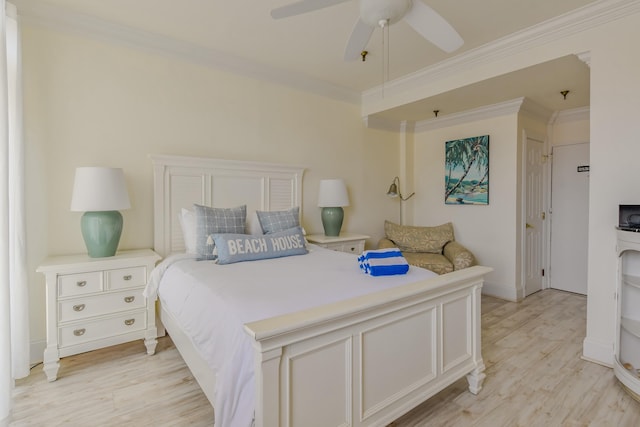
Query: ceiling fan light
x=374, y=11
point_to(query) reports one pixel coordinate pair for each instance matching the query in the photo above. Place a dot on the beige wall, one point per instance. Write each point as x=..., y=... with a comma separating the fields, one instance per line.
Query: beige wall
x=89, y=102
x=570, y=128
x=614, y=129
x=613, y=134
x=474, y=226
x=499, y=222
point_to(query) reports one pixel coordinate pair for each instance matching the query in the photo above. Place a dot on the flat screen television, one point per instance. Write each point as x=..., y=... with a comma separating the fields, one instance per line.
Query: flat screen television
x=629, y=218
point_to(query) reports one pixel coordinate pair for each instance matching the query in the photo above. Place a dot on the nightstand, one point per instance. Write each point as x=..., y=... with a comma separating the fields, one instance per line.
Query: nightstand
x=345, y=242
x=97, y=302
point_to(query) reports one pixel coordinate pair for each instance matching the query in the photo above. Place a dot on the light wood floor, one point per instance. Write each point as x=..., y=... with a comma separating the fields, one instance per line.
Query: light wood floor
x=532, y=349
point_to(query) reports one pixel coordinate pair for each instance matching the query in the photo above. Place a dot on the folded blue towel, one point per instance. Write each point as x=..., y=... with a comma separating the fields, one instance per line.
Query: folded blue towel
x=383, y=262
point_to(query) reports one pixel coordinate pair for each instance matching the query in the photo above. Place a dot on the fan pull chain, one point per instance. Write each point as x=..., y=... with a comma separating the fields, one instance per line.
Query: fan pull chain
x=385, y=52
x=383, y=79
x=388, y=60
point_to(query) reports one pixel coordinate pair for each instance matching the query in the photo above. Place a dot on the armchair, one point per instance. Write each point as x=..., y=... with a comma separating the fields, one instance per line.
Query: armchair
x=433, y=248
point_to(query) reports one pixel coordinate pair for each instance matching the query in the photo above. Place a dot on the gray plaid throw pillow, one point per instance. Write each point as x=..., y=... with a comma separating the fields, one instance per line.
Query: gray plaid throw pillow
x=275, y=221
x=211, y=221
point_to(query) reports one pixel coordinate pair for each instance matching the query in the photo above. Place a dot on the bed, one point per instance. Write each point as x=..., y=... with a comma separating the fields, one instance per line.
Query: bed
x=360, y=361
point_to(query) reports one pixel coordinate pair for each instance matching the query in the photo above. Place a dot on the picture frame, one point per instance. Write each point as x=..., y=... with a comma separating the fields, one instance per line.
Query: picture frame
x=467, y=171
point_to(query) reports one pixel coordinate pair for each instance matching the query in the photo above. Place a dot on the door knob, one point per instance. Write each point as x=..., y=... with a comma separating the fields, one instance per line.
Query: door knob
x=529, y=225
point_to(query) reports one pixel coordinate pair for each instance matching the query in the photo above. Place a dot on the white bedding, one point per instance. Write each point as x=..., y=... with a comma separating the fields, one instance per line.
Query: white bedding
x=212, y=303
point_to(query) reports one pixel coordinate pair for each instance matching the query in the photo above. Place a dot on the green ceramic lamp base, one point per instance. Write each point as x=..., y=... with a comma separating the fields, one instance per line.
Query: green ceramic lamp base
x=101, y=232
x=332, y=220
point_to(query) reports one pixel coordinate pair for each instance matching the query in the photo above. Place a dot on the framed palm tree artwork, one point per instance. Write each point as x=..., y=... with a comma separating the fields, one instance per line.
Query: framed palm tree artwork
x=467, y=171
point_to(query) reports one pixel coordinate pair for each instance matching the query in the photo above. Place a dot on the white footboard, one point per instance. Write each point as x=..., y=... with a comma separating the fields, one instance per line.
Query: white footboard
x=367, y=361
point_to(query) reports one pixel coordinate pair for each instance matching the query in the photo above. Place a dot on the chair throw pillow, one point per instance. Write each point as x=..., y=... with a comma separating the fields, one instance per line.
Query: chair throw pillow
x=412, y=238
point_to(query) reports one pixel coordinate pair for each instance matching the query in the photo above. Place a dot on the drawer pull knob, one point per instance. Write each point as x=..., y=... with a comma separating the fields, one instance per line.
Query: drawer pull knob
x=82, y=283
x=129, y=299
x=127, y=277
x=79, y=332
x=78, y=307
x=129, y=322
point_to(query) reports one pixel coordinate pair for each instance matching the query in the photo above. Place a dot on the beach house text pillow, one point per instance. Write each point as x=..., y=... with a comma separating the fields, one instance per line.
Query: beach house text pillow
x=247, y=247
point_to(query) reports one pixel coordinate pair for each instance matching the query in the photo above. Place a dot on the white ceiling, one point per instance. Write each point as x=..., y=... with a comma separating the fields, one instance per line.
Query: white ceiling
x=311, y=46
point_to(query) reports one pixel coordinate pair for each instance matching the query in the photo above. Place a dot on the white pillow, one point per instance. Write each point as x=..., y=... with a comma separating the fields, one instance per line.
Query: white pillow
x=187, y=220
x=253, y=225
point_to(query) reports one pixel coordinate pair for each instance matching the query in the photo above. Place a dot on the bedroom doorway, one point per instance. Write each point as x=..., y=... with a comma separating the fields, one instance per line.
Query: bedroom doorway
x=570, y=217
x=534, y=215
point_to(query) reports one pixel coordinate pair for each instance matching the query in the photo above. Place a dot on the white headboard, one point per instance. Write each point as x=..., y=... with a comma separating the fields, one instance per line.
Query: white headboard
x=179, y=182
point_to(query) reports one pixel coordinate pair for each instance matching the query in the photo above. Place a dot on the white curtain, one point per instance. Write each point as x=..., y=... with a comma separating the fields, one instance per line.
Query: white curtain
x=18, y=288
x=14, y=296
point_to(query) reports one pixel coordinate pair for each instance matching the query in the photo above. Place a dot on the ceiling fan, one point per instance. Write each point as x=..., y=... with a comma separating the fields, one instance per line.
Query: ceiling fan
x=380, y=13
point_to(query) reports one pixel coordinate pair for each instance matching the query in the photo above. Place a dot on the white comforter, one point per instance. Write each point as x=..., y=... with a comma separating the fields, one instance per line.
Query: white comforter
x=212, y=303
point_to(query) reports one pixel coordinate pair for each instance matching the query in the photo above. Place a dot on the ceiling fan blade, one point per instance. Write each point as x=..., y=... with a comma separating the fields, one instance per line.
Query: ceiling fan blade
x=301, y=7
x=433, y=27
x=358, y=40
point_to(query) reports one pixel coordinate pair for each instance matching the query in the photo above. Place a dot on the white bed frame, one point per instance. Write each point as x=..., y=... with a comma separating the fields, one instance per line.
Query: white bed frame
x=361, y=362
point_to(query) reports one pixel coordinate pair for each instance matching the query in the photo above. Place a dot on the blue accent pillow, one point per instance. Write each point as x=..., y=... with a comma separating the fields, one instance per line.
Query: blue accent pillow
x=247, y=247
x=216, y=220
x=274, y=221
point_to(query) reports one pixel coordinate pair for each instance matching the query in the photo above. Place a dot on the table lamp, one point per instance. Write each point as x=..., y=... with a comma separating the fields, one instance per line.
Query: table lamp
x=331, y=198
x=100, y=193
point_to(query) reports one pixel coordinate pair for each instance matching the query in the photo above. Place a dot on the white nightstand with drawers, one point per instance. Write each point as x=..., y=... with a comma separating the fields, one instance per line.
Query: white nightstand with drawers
x=345, y=242
x=97, y=302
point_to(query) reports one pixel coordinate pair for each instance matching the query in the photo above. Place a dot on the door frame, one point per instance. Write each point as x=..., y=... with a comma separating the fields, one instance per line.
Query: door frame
x=546, y=190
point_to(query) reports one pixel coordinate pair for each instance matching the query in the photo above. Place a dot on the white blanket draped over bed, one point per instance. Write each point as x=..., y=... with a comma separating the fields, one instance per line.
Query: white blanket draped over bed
x=212, y=303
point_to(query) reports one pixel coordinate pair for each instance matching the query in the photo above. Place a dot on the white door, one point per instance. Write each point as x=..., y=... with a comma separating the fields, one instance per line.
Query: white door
x=569, y=217
x=534, y=216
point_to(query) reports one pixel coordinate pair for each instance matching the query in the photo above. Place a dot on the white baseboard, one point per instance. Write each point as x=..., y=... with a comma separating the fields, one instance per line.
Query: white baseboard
x=597, y=351
x=498, y=291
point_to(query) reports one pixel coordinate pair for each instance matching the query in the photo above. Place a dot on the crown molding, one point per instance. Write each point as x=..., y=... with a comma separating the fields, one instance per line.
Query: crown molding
x=594, y=14
x=482, y=113
x=585, y=18
x=585, y=57
x=514, y=106
x=381, y=123
x=10, y=10
x=572, y=115
x=41, y=14
x=535, y=110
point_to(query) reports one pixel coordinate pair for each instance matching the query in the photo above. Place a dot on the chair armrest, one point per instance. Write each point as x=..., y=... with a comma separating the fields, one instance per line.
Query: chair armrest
x=385, y=244
x=459, y=256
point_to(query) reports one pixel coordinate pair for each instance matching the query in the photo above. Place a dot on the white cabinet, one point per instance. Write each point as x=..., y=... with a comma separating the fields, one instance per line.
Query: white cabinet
x=97, y=302
x=345, y=242
x=627, y=344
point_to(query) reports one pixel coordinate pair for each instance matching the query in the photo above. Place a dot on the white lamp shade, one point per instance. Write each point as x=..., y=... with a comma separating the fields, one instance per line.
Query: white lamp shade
x=332, y=194
x=99, y=189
